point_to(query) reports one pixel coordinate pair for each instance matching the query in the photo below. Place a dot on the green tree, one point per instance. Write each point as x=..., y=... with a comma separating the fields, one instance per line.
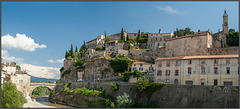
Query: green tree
x=78, y=64
x=182, y=32
x=107, y=39
x=83, y=48
x=11, y=97
x=127, y=38
x=139, y=36
x=76, y=50
x=124, y=101
x=18, y=67
x=141, y=84
x=122, y=35
x=232, y=38
x=71, y=51
x=120, y=64
x=231, y=30
x=66, y=54
x=105, y=35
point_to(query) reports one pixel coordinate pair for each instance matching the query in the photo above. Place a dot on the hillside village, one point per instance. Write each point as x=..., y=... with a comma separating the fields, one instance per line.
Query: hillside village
x=201, y=58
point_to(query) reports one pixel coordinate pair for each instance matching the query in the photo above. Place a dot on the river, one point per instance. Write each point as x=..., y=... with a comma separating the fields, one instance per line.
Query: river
x=43, y=102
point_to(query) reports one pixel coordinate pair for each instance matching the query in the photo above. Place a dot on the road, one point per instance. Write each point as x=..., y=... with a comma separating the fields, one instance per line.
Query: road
x=36, y=105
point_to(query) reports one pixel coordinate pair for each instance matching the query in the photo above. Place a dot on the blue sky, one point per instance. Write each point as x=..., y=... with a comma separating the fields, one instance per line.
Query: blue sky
x=55, y=25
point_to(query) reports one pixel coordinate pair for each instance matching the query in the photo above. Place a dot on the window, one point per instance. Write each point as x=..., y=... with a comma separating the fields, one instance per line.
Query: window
x=189, y=70
x=177, y=63
x=216, y=70
x=164, y=39
x=228, y=70
x=135, y=34
x=139, y=69
x=151, y=35
x=227, y=83
x=151, y=40
x=179, y=42
x=160, y=39
x=163, y=44
x=200, y=40
x=159, y=73
x=160, y=64
x=176, y=81
x=173, y=44
x=189, y=61
x=140, y=64
x=227, y=61
x=185, y=47
x=189, y=82
x=158, y=44
x=215, y=82
x=199, y=46
x=168, y=63
x=203, y=62
x=203, y=70
x=215, y=61
x=167, y=72
x=176, y=43
x=176, y=72
x=134, y=64
x=133, y=68
x=202, y=83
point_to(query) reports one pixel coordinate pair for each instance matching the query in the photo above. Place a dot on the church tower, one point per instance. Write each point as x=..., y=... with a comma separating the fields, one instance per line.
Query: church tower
x=225, y=23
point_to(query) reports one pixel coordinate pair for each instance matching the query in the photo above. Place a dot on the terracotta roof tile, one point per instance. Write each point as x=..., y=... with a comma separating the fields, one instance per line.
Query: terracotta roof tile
x=199, y=57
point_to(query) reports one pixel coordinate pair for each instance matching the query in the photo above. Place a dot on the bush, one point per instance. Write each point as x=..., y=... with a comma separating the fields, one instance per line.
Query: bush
x=88, y=92
x=126, y=76
x=137, y=73
x=153, y=87
x=11, y=97
x=61, y=69
x=109, y=103
x=99, y=48
x=65, y=72
x=114, y=86
x=131, y=41
x=143, y=40
x=141, y=84
x=120, y=64
x=78, y=64
x=124, y=101
x=69, y=84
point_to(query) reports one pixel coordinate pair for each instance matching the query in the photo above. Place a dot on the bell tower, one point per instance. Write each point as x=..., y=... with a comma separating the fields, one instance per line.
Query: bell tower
x=225, y=23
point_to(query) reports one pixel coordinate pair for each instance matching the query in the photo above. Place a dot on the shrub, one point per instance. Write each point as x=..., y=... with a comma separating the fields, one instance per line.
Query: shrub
x=120, y=64
x=126, y=76
x=99, y=48
x=78, y=64
x=11, y=97
x=137, y=73
x=143, y=40
x=114, y=86
x=109, y=103
x=131, y=41
x=153, y=87
x=61, y=69
x=65, y=72
x=124, y=101
x=141, y=84
x=69, y=84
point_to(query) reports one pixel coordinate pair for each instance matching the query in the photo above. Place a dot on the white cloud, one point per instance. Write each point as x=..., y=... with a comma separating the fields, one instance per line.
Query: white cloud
x=41, y=71
x=6, y=57
x=57, y=61
x=169, y=10
x=20, y=43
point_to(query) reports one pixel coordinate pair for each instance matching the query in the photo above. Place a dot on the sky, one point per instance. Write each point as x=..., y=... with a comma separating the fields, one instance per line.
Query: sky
x=37, y=34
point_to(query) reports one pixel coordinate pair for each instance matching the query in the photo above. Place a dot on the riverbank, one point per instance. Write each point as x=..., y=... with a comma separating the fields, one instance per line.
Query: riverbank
x=35, y=105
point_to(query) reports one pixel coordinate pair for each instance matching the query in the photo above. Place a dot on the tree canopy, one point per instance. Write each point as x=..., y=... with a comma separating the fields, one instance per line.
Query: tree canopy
x=182, y=32
x=18, y=67
x=120, y=64
x=122, y=35
x=232, y=38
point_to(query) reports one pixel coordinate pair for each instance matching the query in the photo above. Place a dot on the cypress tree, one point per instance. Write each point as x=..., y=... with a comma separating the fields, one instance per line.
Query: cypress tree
x=76, y=50
x=71, y=50
x=66, y=54
x=139, y=35
x=122, y=35
x=127, y=38
x=105, y=35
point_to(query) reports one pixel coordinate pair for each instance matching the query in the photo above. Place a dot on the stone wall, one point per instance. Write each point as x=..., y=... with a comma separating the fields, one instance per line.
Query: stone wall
x=223, y=51
x=172, y=96
x=72, y=76
x=122, y=52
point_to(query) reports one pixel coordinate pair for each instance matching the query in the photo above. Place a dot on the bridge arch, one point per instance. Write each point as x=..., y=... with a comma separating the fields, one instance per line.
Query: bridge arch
x=33, y=86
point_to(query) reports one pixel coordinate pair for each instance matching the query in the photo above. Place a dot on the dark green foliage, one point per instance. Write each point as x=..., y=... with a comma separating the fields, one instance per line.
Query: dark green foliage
x=105, y=35
x=232, y=38
x=222, y=87
x=65, y=72
x=11, y=97
x=69, y=84
x=107, y=39
x=131, y=41
x=88, y=84
x=41, y=91
x=183, y=32
x=61, y=69
x=154, y=86
x=71, y=51
x=99, y=48
x=114, y=86
x=141, y=84
x=231, y=30
x=18, y=67
x=127, y=38
x=142, y=40
x=78, y=64
x=120, y=41
x=66, y=54
x=139, y=36
x=109, y=103
x=83, y=48
x=145, y=35
x=122, y=35
x=120, y=64
x=135, y=73
x=76, y=50
x=58, y=81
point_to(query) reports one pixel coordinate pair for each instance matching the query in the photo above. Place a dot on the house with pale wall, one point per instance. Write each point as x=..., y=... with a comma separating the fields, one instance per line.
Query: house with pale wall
x=10, y=68
x=142, y=66
x=157, y=39
x=97, y=42
x=113, y=46
x=198, y=70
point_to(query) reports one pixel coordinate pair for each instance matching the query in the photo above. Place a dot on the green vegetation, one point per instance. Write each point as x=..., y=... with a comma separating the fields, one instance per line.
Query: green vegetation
x=153, y=87
x=120, y=64
x=131, y=41
x=141, y=85
x=107, y=39
x=76, y=50
x=183, y=32
x=139, y=36
x=61, y=69
x=69, y=84
x=11, y=97
x=114, y=86
x=124, y=101
x=122, y=35
x=18, y=67
x=109, y=103
x=222, y=87
x=99, y=48
x=83, y=48
x=78, y=64
x=58, y=81
x=135, y=73
x=41, y=91
x=65, y=72
x=232, y=38
x=142, y=40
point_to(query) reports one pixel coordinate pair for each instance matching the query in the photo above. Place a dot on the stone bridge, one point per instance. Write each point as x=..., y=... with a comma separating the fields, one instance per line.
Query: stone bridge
x=50, y=86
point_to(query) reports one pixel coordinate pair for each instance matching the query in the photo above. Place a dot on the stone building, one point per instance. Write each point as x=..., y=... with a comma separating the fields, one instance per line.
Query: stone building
x=220, y=37
x=113, y=46
x=134, y=35
x=198, y=70
x=157, y=39
x=10, y=68
x=142, y=66
x=189, y=45
x=117, y=36
x=97, y=42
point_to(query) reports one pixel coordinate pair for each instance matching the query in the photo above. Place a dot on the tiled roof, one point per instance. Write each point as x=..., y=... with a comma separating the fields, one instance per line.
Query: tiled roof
x=145, y=63
x=199, y=57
